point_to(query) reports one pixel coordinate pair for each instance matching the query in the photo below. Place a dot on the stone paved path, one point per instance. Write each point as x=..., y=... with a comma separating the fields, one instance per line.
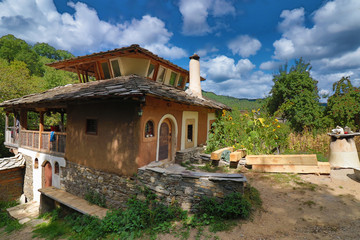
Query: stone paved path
x=24, y=212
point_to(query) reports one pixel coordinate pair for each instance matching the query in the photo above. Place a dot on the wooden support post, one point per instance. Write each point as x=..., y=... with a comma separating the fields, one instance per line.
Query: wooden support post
x=111, y=72
x=23, y=119
x=6, y=122
x=78, y=73
x=87, y=76
x=41, y=128
x=97, y=71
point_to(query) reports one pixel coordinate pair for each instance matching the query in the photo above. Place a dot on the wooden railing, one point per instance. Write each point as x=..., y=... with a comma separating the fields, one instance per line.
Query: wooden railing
x=32, y=139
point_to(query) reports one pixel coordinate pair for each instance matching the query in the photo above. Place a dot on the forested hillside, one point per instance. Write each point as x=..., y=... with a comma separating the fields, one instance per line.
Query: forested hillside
x=235, y=103
x=23, y=71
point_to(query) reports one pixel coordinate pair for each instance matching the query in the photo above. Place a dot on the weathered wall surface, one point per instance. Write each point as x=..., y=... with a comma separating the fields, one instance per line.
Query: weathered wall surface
x=114, y=147
x=154, y=110
x=185, y=188
x=28, y=178
x=11, y=184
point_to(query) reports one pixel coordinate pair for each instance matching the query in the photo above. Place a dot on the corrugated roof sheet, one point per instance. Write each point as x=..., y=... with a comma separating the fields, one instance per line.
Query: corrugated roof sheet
x=12, y=162
x=120, y=87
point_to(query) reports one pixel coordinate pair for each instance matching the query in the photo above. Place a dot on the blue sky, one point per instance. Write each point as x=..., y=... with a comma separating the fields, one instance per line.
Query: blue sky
x=241, y=43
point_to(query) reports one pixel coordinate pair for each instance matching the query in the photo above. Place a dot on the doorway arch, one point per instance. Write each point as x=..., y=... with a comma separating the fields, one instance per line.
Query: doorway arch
x=167, y=138
x=47, y=174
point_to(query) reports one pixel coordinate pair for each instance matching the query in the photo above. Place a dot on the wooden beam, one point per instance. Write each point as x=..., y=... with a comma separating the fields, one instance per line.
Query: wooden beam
x=41, y=128
x=78, y=73
x=23, y=119
x=217, y=154
x=321, y=168
x=303, y=159
x=237, y=155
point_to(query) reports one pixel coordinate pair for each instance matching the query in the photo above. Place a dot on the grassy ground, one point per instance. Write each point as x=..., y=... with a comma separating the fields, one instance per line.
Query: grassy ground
x=6, y=222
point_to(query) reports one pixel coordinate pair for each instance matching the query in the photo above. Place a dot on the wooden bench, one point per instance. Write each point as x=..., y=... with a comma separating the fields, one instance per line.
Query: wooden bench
x=51, y=194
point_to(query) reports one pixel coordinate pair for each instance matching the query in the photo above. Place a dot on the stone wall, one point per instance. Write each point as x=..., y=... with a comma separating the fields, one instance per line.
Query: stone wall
x=78, y=180
x=28, y=179
x=189, y=154
x=187, y=187
x=184, y=187
x=11, y=184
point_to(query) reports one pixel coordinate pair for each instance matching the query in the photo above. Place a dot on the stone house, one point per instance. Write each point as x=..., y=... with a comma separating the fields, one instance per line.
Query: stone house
x=129, y=108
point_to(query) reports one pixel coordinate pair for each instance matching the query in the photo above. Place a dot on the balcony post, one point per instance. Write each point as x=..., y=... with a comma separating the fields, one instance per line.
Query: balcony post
x=41, y=128
x=23, y=119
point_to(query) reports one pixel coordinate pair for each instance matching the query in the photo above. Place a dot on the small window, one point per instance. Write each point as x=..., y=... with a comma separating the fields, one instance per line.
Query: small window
x=106, y=71
x=149, y=129
x=91, y=126
x=116, y=68
x=56, y=170
x=161, y=74
x=173, y=78
x=180, y=82
x=36, y=163
x=151, y=71
x=190, y=133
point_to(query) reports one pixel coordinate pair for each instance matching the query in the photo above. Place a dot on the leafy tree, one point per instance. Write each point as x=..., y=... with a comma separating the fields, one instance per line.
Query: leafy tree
x=12, y=48
x=44, y=49
x=63, y=55
x=343, y=106
x=294, y=96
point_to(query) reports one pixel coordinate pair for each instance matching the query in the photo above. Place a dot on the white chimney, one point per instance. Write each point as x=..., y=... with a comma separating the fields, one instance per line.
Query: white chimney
x=194, y=85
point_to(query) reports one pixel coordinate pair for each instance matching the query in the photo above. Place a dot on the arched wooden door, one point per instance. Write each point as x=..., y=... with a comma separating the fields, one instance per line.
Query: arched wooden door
x=47, y=175
x=165, y=140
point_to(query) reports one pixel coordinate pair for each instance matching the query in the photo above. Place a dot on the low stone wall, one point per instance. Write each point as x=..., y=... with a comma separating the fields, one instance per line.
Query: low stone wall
x=11, y=184
x=184, y=187
x=190, y=154
x=187, y=187
x=78, y=180
x=28, y=178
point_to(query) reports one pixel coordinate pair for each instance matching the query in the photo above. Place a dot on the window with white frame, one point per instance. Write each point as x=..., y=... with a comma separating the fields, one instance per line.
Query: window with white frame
x=161, y=74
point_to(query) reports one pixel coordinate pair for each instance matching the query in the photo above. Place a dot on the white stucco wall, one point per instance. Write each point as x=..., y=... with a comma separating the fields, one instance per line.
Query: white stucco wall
x=189, y=115
x=37, y=173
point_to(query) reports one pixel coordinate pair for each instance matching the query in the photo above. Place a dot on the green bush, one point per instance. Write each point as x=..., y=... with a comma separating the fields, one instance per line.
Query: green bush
x=258, y=134
x=6, y=221
x=95, y=198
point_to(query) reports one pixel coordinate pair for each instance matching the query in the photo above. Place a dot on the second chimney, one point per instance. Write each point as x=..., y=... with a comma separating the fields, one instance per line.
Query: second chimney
x=194, y=81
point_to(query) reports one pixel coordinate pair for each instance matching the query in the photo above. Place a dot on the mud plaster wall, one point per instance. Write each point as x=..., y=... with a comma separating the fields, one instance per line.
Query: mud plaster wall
x=114, y=147
x=154, y=110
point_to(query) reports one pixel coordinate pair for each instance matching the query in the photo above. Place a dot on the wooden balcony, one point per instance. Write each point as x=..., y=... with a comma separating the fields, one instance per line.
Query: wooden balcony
x=36, y=140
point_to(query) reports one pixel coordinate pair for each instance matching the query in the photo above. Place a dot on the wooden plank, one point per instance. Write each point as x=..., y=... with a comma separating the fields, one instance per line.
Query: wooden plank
x=321, y=168
x=217, y=154
x=237, y=155
x=303, y=159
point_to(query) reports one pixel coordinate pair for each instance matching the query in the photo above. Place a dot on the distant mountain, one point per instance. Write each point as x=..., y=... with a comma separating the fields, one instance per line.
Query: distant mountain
x=235, y=103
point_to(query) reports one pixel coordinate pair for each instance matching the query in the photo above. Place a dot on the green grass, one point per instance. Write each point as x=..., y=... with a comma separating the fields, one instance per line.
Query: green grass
x=6, y=221
x=52, y=230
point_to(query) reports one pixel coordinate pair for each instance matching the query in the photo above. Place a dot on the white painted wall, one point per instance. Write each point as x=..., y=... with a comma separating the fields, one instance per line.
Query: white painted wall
x=189, y=115
x=37, y=173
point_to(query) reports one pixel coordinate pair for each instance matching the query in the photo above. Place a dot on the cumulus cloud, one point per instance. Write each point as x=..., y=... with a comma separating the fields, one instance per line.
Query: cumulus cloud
x=196, y=12
x=83, y=31
x=244, y=45
x=222, y=68
x=270, y=65
x=335, y=31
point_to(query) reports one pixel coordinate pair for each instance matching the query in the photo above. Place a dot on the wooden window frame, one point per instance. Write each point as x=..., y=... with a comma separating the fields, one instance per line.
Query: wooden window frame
x=97, y=126
x=153, y=129
x=56, y=168
x=111, y=67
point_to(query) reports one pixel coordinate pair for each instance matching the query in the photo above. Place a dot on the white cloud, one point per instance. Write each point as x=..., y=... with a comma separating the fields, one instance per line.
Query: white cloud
x=270, y=65
x=222, y=68
x=336, y=31
x=196, y=12
x=244, y=45
x=83, y=31
x=205, y=51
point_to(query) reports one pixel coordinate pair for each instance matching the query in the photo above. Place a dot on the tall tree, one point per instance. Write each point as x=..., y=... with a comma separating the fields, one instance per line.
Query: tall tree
x=12, y=48
x=294, y=96
x=344, y=105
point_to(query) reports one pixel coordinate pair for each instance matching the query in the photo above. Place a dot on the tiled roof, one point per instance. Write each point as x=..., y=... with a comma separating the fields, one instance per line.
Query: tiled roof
x=120, y=87
x=12, y=162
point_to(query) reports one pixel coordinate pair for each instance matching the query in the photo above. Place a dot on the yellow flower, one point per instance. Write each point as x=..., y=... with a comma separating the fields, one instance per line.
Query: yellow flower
x=276, y=120
x=242, y=146
x=246, y=115
x=261, y=120
x=267, y=126
x=230, y=118
x=278, y=126
x=232, y=123
x=253, y=110
x=258, y=110
x=274, y=130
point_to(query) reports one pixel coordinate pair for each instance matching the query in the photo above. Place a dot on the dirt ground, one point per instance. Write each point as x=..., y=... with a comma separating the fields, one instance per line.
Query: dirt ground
x=294, y=207
x=300, y=207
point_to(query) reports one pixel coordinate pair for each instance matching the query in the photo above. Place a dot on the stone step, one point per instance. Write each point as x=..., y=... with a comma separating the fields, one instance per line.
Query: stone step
x=24, y=212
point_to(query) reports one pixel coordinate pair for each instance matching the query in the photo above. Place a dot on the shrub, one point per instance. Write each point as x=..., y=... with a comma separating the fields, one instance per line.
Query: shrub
x=95, y=198
x=6, y=221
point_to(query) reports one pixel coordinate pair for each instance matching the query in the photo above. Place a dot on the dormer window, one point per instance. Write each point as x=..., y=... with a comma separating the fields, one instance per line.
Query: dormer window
x=115, y=68
x=161, y=74
x=173, y=78
x=180, y=82
x=151, y=71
